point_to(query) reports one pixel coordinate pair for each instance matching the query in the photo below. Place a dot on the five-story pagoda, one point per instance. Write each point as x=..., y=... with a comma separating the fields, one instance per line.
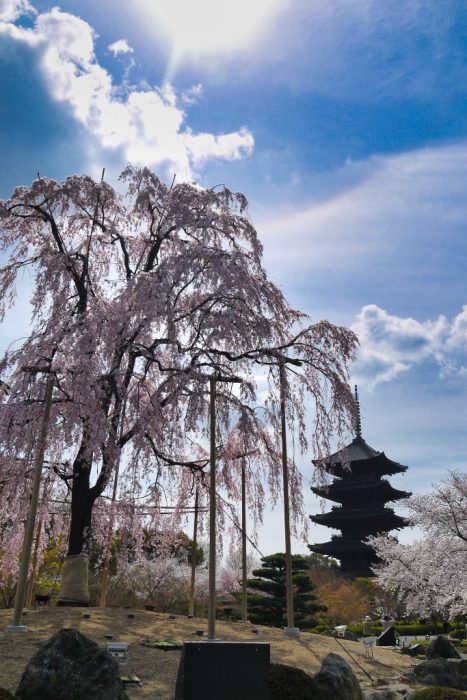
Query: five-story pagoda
x=362, y=492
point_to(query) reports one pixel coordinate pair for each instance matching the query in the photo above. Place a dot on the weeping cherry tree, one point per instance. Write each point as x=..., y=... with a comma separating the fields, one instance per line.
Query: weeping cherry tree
x=137, y=298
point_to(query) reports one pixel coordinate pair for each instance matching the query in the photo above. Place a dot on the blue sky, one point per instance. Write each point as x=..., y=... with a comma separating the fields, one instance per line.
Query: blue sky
x=345, y=124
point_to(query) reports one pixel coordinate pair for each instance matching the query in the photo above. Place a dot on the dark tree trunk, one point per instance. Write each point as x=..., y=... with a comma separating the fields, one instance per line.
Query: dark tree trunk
x=74, y=588
x=82, y=502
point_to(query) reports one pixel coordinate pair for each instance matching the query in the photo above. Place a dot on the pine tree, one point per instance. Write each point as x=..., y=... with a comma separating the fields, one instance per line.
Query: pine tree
x=268, y=606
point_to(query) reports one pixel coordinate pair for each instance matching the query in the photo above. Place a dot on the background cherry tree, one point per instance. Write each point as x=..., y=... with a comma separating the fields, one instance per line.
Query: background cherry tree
x=163, y=582
x=136, y=299
x=429, y=575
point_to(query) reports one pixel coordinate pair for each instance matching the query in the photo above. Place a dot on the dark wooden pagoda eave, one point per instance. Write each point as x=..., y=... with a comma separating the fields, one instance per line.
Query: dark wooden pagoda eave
x=339, y=545
x=343, y=490
x=340, y=517
x=377, y=466
x=358, y=457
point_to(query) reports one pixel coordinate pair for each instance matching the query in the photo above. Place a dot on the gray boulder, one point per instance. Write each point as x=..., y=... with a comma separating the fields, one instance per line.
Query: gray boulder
x=69, y=665
x=440, y=672
x=458, y=665
x=337, y=680
x=5, y=694
x=441, y=648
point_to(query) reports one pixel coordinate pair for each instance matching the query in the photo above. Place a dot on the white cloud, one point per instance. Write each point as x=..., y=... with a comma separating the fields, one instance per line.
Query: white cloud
x=232, y=146
x=146, y=126
x=120, y=47
x=12, y=9
x=457, y=339
x=193, y=94
x=391, y=344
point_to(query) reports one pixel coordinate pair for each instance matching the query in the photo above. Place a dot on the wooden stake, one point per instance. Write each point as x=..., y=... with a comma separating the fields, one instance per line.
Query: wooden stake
x=285, y=476
x=29, y=529
x=194, y=546
x=244, y=572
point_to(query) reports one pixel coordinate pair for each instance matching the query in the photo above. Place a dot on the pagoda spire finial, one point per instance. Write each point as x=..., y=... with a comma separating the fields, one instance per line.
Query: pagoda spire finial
x=359, y=419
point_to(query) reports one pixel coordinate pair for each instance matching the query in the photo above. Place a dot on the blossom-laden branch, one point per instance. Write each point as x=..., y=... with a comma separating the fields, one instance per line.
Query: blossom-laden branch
x=429, y=574
x=136, y=299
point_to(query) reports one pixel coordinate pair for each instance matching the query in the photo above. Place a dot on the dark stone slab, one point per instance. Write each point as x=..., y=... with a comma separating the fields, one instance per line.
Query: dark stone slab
x=217, y=670
x=387, y=638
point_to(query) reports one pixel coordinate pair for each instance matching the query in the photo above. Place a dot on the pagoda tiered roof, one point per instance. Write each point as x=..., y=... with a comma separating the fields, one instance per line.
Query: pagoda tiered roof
x=338, y=547
x=347, y=490
x=362, y=492
x=372, y=518
x=356, y=557
x=364, y=460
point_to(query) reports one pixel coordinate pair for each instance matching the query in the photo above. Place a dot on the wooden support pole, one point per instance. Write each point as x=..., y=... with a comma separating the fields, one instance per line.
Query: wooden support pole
x=32, y=578
x=106, y=569
x=194, y=551
x=31, y=520
x=212, y=514
x=285, y=476
x=213, y=379
x=244, y=571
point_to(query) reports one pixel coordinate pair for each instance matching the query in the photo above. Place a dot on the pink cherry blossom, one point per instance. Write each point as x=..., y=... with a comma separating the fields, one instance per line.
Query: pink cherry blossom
x=137, y=298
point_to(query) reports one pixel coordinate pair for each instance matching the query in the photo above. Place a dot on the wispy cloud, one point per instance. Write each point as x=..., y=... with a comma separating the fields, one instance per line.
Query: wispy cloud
x=379, y=212
x=146, y=126
x=193, y=94
x=328, y=45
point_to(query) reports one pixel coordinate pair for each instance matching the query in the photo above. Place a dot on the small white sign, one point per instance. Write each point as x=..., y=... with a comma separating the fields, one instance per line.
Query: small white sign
x=119, y=650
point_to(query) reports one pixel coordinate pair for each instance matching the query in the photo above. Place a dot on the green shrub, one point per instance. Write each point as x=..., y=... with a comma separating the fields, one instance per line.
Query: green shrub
x=439, y=693
x=418, y=629
x=357, y=628
x=290, y=683
x=458, y=634
x=410, y=629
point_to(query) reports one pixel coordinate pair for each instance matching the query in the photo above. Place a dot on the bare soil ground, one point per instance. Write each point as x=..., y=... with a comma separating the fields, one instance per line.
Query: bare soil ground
x=158, y=669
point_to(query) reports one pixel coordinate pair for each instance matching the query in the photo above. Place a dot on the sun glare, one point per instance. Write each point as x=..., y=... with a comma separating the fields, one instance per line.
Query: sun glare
x=206, y=26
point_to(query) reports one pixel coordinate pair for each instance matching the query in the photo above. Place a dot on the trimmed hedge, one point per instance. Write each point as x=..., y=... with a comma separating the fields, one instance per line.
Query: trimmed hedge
x=411, y=629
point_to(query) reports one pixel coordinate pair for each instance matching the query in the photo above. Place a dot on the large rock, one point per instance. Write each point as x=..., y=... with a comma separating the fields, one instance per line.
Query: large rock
x=395, y=692
x=440, y=672
x=459, y=666
x=69, y=666
x=5, y=694
x=441, y=648
x=337, y=679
